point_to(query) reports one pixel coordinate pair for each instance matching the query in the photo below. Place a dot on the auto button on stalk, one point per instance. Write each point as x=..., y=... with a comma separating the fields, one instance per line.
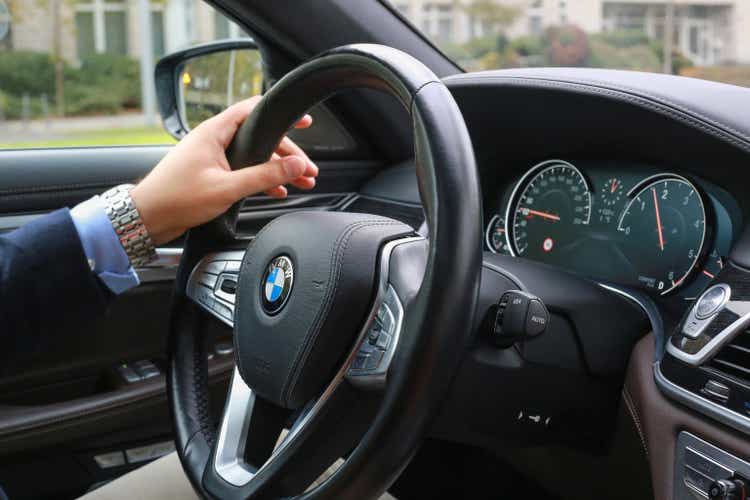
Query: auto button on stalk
x=519, y=316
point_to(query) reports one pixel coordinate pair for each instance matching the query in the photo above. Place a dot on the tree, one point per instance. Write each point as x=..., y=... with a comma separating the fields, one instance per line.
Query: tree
x=491, y=13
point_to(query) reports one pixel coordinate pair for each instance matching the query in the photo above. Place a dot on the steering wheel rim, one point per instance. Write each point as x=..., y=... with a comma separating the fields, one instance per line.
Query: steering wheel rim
x=440, y=316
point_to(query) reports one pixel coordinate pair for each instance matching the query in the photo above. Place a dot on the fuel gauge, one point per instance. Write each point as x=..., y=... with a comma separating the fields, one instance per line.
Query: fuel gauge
x=495, y=237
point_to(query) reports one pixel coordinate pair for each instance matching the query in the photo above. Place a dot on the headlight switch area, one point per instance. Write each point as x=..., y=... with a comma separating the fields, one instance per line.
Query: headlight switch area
x=547, y=361
x=518, y=316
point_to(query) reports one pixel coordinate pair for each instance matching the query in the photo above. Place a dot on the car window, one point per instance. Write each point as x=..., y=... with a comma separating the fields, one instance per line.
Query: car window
x=703, y=39
x=70, y=70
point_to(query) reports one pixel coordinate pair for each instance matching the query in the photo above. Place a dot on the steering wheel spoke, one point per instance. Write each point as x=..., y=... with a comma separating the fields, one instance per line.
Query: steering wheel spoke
x=213, y=284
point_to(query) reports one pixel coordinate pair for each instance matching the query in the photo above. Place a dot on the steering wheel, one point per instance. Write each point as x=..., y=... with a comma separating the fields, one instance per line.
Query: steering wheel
x=348, y=328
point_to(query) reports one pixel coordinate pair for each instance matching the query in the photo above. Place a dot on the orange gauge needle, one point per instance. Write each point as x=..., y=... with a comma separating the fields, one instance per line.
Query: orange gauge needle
x=708, y=274
x=542, y=214
x=658, y=219
x=614, y=186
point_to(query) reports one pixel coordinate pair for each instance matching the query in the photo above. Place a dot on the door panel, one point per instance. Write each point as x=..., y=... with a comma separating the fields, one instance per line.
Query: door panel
x=69, y=403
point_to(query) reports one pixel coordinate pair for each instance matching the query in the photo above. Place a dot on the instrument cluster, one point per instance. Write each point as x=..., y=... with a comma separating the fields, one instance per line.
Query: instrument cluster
x=624, y=224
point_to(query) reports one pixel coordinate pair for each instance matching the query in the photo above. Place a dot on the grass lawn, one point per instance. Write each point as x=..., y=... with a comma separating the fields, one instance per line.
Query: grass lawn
x=107, y=137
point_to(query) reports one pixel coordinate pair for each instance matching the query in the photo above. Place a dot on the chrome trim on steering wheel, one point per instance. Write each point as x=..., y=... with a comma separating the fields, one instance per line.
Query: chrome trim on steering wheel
x=229, y=461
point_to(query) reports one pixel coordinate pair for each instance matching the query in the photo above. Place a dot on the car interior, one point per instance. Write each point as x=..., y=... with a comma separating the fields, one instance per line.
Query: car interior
x=525, y=282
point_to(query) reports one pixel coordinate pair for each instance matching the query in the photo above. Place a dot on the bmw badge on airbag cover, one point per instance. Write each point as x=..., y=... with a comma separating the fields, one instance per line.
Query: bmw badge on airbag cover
x=277, y=284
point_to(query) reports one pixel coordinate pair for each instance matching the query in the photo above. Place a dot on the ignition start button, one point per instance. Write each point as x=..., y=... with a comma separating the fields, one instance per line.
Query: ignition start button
x=712, y=300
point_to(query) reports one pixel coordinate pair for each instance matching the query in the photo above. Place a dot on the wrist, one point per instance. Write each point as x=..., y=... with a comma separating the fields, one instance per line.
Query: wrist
x=128, y=225
x=152, y=220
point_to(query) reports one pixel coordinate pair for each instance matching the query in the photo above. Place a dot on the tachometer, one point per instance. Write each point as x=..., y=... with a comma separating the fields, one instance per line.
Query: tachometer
x=665, y=228
x=554, y=200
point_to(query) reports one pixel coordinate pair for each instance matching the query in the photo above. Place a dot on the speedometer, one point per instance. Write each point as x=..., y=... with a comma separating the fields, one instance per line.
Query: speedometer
x=549, y=205
x=665, y=228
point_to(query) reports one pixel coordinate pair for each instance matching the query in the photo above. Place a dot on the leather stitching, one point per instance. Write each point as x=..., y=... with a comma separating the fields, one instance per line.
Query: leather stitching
x=337, y=254
x=630, y=404
x=643, y=99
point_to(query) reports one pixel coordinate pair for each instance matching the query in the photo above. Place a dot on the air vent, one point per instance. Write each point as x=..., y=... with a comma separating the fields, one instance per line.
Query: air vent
x=412, y=215
x=734, y=358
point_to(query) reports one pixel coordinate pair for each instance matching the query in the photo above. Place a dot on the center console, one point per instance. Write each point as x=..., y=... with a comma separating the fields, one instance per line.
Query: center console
x=706, y=367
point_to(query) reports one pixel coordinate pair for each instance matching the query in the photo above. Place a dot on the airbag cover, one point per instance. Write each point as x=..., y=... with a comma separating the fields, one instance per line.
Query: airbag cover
x=288, y=353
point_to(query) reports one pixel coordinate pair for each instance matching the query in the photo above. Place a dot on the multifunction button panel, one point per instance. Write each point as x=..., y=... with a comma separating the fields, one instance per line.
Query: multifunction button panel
x=371, y=362
x=702, y=469
x=213, y=284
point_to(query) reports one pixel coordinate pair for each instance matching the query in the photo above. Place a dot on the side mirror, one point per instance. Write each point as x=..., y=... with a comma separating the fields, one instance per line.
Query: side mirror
x=197, y=83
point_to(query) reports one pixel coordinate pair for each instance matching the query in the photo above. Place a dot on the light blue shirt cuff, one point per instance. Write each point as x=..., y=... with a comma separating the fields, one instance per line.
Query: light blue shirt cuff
x=103, y=250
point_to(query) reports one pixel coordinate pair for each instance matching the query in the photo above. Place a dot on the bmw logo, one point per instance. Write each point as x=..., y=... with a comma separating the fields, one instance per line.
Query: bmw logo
x=277, y=284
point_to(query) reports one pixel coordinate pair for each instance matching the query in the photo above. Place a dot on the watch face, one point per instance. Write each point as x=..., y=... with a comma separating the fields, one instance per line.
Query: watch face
x=276, y=284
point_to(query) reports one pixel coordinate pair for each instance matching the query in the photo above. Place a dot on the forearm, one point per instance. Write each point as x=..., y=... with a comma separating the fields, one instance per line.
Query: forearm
x=46, y=285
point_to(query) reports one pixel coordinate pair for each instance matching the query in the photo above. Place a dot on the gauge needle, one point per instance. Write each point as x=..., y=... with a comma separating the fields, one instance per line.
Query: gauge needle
x=658, y=219
x=542, y=214
x=614, y=186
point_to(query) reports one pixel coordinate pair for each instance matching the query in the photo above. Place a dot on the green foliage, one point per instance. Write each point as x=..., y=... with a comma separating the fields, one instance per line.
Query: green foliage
x=624, y=38
x=530, y=45
x=636, y=57
x=104, y=83
x=25, y=71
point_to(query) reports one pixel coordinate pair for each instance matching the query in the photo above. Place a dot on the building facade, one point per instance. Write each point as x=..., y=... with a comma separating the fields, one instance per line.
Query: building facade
x=85, y=27
x=709, y=32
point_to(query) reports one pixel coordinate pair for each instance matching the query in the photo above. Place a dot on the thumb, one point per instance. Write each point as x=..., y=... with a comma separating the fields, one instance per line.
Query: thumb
x=275, y=172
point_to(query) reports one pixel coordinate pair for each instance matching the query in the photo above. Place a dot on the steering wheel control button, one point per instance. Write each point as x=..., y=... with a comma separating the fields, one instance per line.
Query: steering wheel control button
x=276, y=284
x=213, y=284
x=519, y=316
x=208, y=279
x=215, y=267
x=712, y=301
x=370, y=366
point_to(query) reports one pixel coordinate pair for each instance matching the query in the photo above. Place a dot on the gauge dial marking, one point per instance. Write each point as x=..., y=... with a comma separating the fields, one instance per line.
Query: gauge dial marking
x=548, y=207
x=667, y=210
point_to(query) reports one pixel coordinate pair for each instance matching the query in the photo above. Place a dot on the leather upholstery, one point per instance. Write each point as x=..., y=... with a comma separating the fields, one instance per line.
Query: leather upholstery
x=289, y=357
x=660, y=421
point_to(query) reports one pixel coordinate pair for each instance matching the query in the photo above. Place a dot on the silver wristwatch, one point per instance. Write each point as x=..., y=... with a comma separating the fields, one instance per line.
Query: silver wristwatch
x=128, y=225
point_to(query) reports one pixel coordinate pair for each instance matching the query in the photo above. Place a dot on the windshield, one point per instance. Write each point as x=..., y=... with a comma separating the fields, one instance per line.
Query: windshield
x=707, y=39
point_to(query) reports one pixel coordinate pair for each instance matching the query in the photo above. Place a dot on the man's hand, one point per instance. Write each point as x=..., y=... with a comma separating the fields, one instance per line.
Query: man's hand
x=193, y=183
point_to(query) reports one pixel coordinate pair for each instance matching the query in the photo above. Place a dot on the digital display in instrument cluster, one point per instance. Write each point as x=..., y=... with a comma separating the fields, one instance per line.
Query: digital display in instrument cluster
x=620, y=223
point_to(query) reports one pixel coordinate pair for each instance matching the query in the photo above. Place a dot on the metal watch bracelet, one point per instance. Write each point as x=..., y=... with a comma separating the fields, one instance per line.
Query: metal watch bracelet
x=128, y=225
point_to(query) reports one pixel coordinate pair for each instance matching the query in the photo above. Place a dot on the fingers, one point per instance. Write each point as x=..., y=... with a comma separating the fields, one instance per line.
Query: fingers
x=266, y=176
x=277, y=192
x=226, y=123
x=304, y=122
x=288, y=147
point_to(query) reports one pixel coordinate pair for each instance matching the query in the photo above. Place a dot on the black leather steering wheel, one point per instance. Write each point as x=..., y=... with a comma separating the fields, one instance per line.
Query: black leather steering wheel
x=348, y=328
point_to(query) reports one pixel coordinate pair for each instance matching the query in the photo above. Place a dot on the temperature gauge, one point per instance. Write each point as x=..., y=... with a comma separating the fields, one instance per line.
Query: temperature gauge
x=495, y=236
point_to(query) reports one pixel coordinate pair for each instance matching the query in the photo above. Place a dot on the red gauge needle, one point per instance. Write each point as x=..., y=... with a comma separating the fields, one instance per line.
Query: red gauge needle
x=542, y=214
x=708, y=274
x=658, y=219
x=614, y=186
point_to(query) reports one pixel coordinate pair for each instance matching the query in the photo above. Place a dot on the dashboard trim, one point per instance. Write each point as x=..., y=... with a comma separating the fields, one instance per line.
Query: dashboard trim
x=700, y=404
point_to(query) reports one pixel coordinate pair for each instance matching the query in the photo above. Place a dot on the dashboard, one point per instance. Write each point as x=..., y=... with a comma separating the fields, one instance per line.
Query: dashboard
x=627, y=223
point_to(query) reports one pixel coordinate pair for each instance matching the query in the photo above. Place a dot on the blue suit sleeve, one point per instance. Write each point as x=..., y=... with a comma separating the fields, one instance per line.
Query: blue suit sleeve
x=46, y=285
x=106, y=257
